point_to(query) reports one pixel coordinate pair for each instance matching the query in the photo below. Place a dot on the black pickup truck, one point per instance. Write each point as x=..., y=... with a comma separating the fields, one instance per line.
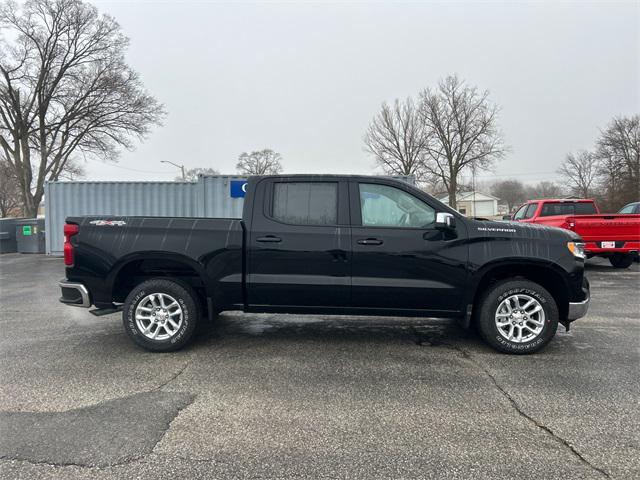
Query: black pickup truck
x=327, y=244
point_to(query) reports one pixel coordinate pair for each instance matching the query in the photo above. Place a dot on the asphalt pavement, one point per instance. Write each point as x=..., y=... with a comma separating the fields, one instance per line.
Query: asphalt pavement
x=288, y=396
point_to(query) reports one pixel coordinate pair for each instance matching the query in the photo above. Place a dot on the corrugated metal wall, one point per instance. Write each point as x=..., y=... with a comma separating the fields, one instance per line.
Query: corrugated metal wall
x=208, y=197
x=215, y=200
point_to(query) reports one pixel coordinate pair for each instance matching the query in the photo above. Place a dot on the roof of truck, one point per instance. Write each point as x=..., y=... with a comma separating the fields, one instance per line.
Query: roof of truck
x=563, y=200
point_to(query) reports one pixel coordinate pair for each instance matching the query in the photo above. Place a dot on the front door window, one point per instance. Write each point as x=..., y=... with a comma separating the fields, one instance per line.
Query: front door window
x=384, y=206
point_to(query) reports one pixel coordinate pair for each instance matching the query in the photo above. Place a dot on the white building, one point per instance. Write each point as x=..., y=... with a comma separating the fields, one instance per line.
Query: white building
x=475, y=204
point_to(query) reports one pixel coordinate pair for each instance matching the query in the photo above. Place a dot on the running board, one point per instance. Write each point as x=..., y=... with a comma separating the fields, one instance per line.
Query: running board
x=99, y=312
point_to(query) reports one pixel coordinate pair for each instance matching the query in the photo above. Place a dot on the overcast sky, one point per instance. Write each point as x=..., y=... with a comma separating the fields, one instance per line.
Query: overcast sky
x=306, y=79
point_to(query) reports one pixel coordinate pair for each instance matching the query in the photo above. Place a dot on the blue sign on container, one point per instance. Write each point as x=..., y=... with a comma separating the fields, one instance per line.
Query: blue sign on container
x=238, y=188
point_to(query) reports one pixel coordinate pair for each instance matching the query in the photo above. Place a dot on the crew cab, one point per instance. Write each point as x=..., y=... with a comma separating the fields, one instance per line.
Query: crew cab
x=614, y=236
x=322, y=244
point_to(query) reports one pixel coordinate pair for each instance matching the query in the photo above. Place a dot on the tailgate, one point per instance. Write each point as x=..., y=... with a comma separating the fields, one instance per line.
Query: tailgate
x=621, y=229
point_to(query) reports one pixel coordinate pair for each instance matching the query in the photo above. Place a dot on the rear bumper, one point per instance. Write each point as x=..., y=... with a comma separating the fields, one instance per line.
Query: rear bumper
x=595, y=248
x=579, y=309
x=75, y=294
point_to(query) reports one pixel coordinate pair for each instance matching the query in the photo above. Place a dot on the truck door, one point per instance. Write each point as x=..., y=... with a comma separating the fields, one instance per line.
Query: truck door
x=401, y=261
x=299, y=246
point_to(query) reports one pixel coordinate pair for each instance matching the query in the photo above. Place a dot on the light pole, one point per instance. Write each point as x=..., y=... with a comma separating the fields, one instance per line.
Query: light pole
x=181, y=167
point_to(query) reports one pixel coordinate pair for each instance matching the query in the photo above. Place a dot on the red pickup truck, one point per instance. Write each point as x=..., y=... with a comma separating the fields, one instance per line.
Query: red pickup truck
x=615, y=236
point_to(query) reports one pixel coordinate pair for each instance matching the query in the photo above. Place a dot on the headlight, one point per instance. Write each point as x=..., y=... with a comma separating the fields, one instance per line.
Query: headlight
x=577, y=248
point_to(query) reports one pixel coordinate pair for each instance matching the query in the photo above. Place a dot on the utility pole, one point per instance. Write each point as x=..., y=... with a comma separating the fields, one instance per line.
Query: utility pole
x=473, y=187
x=181, y=167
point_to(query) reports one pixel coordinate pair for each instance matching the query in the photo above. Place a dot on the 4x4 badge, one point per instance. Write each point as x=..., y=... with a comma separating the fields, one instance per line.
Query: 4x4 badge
x=114, y=223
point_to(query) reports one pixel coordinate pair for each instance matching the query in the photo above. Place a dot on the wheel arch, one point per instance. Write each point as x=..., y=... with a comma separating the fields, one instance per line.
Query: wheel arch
x=133, y=269
x=548, y=275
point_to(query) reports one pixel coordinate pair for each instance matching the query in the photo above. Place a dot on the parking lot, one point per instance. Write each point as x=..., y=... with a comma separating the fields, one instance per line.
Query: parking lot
x=264, y=396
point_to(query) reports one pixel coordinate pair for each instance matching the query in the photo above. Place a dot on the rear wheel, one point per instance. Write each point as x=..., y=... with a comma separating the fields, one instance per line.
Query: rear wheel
x=161, y=315
x=517, y=316
x=620, y=260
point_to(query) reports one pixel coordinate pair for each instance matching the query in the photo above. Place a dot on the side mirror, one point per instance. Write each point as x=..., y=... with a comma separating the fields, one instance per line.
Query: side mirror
x=445, y=220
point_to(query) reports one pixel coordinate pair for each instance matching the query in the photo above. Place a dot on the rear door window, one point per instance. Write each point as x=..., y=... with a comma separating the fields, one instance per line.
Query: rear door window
x=306, y=203
x=568, y=208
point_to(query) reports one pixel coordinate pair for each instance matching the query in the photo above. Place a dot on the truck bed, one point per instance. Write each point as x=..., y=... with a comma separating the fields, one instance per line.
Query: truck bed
x=211, y=246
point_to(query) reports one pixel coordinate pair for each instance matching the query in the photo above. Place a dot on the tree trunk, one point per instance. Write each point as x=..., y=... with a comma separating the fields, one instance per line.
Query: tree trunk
x=453, y=186
x=29, y=207
x=25, y=176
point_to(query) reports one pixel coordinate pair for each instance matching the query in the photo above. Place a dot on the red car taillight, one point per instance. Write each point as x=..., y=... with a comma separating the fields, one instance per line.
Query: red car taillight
x=70, y=230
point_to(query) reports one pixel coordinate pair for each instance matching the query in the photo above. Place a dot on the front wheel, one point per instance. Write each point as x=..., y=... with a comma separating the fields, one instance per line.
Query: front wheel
x=620, y=260
x=160, y=315
x=517, y=316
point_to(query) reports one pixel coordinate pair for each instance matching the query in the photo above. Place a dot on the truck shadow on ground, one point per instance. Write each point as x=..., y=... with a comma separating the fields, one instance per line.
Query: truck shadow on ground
x=590, y=266
x=422, y=332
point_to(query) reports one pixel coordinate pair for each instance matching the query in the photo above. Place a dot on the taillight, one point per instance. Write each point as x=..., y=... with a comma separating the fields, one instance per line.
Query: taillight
x=70, y=229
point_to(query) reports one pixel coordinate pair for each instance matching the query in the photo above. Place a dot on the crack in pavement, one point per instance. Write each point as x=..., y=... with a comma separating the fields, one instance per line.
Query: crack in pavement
x=139, y=458
x=37, y=463
x=421, y=341
x=543, y=427
x=179, y=372
x=162, y=385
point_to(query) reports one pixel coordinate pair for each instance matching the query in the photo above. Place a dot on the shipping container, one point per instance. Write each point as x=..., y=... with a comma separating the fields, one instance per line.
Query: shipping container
x=208, y=197
x=215, y=196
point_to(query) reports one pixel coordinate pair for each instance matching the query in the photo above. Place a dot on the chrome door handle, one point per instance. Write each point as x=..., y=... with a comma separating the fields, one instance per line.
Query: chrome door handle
x=370, y=241
x=269, y=239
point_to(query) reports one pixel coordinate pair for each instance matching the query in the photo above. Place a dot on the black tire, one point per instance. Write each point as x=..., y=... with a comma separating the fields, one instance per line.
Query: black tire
x=187, y=302
x=490, y=303
x=620, y=260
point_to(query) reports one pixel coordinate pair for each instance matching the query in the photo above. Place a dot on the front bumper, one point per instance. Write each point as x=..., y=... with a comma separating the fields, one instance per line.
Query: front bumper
x=75, y=294
x=579, y=309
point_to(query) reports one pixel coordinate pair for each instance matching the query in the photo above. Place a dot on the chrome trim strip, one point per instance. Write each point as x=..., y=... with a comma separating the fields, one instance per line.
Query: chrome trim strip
x=84, y=293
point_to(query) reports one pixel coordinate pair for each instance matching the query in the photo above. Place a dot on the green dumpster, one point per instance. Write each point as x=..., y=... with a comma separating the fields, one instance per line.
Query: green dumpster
x=30, y=235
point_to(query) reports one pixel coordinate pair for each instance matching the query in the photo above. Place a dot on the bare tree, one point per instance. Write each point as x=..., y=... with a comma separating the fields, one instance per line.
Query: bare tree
x=9, y=191
x=580, y=171
x=396, y=139
x=618, y=150
x=191, y=175
x=262, y=162
x=544, y=189
x=461, y=132
x=510, y=191
x=65, y=91
x=612, y=184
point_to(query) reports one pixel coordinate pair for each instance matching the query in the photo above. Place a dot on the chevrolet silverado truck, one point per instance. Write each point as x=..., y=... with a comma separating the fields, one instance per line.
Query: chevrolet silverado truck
x=322, y=244
x=613, y=236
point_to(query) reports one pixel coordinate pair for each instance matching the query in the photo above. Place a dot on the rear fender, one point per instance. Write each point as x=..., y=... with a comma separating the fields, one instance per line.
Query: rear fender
x=158, y=256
